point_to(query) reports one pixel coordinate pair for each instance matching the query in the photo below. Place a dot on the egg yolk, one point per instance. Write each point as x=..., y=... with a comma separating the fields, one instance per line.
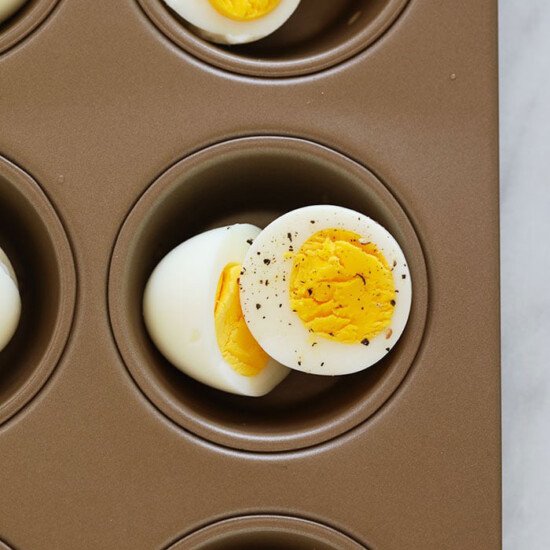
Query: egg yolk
x=236, y=343
x=342, y=287
x=244, y=10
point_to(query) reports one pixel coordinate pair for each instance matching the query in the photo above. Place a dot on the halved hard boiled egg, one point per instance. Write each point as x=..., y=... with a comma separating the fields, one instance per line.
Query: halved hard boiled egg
x=10, y=301
x=9, y=7
x=193, y=314
x=234, y=21
x=326, y=290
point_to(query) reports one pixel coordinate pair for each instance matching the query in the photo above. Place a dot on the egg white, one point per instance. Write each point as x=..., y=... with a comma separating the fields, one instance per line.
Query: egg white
x=215, y=27
x=178, y=308
x=10, y=301
x=9, y=7
x=279, y=330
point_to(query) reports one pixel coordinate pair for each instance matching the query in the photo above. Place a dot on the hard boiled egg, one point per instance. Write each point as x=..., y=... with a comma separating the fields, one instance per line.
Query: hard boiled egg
x=234, y=21
x=193, y=314
x=326, y=290
x=10, y=301
x=9, y=7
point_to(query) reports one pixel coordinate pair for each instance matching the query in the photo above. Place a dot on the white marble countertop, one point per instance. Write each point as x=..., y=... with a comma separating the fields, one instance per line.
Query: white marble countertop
x=525, y=230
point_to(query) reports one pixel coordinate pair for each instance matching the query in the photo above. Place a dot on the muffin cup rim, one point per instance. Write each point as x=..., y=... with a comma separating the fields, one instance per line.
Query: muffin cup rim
x=31, y=191
x=184, y=417
x=167, y=23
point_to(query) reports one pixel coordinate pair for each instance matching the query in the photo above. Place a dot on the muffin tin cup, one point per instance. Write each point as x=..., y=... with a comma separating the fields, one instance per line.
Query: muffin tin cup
x=321, y=34
x=24, y=22
x=33, y=238
x=255, y=180
x=268, y=533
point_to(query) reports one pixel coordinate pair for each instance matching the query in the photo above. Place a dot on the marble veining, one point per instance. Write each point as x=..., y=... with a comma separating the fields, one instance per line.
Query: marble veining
x=525, y=258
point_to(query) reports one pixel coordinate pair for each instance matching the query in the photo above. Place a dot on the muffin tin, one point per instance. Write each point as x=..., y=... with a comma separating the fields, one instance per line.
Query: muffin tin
x=122, y=134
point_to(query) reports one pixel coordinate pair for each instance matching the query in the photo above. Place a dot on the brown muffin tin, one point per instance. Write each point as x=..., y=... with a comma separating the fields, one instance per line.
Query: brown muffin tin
x=122, y=134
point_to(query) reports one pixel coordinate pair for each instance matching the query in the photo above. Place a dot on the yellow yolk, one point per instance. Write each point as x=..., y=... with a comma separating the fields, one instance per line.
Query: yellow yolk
x=235, y=341
x=244, y=10
x=341, y=287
